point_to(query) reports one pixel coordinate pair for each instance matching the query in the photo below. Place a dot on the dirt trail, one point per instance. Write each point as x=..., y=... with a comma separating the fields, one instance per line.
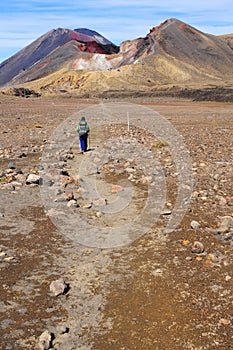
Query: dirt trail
x=152, y=294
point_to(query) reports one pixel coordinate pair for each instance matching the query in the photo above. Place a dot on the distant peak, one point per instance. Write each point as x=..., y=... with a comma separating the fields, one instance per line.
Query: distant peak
x=86, y=31
x=164, y=24
x=89, y=35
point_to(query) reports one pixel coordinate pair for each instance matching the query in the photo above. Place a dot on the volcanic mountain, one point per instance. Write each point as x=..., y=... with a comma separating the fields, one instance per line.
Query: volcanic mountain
x=84, y=63
x=50, y=52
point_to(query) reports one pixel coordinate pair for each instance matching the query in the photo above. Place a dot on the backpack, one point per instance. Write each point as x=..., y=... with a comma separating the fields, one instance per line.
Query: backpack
x=83, y=128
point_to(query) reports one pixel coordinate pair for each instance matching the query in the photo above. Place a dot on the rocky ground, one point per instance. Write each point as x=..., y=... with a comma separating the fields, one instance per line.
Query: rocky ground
x=161, y=291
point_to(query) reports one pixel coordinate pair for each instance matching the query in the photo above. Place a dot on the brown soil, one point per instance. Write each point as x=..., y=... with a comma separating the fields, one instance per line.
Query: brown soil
x=152, y=294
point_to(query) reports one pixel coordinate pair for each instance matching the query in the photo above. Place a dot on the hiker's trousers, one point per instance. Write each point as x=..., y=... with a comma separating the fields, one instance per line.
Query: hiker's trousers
x=83, y=142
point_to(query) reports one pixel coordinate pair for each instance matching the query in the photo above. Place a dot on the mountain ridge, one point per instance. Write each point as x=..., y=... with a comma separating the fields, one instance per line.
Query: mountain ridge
x=84, y=63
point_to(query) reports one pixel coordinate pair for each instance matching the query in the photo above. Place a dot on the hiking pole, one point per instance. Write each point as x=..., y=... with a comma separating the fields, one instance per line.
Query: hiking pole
x=88, y=142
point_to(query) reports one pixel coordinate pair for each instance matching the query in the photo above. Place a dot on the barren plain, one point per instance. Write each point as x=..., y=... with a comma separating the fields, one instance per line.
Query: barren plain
x=161, y=291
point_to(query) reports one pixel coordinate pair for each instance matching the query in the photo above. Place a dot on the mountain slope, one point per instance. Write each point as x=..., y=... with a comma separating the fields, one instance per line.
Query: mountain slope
x=44, y=50
x=84, y=63
x=185, y=43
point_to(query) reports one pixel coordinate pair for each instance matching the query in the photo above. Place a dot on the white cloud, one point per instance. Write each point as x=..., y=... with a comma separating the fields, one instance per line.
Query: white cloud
x=23, y=21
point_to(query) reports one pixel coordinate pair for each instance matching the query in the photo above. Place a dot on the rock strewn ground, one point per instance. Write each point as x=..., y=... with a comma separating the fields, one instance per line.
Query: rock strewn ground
x=161, y=292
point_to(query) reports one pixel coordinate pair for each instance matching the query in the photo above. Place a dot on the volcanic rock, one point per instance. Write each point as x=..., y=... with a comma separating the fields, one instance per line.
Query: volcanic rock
x=45, y=340
x=58, y=287
x=226, y=224
x=33, y=179
x=195, y=225
x=197, y=247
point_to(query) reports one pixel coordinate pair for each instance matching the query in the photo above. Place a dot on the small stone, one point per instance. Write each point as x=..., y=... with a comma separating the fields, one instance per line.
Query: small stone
x=72, y=203
x=146, y=179
x=222, y=229
x=216, y=177
x=9, y=258
x=33, y=179
x=224, y=321
x=40, y=167
x=199, y=258
x=166, y=212
x=100, y=202
x=75, y=180
x=45, y=340
x=16, y=183
x=195, y=225
x=65, y=179
x=69, y=196
x=195, y=194
x=222, y=201
x=229, y=200
x=87, y=206
x=11, y=165
x=130, y=177
x=58, y=192
x=227, y=278
x=20, y=178
x=215, y=288
x=225, y=225
x=58, y=287
x=188, y=258
x=185, y=242
x=204, y=334
x=85, y=326
x=33, y=185
x=207, y=263
x=213, y=257
x=62, y=329
x=117, y=188
x=59, y=199
x=197, y=247
x=157, y=272
x=7, y=186
x=130, y=170
x=69, y=156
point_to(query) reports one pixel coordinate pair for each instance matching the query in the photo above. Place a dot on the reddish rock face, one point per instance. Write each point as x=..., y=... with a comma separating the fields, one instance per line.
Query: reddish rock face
x=94, y=47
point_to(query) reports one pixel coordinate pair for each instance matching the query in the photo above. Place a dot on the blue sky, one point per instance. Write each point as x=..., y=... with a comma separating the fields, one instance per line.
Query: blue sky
x=23, y=21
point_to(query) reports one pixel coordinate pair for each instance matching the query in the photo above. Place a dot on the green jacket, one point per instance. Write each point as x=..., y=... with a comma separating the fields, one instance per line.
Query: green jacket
x=83, y=128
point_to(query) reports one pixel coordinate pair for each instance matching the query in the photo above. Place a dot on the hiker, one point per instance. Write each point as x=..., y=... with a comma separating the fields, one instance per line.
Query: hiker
x=83, y=130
